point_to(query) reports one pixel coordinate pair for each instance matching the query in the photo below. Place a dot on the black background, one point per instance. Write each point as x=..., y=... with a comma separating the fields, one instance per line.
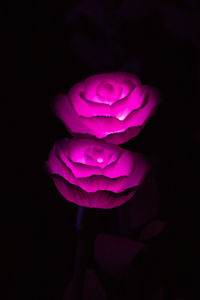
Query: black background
x=37, y=223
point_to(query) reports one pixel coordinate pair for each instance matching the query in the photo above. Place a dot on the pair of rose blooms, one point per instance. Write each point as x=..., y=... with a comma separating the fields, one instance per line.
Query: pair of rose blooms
x=103, y=111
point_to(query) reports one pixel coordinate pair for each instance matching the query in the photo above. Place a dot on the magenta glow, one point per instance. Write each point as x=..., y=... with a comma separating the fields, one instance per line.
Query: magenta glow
x=93, y=173
x=109, y=106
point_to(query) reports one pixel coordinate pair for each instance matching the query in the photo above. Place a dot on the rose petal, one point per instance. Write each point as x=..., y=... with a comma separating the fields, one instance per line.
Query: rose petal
x=152, y=229
x=112, y=170
x=133, y=164
x=93, y=288
x=117, y=79
x=76, y=149
x=100, y=182
x=63, y=110
x=100, y=199
x=123, y=137
x=131, y=112
x=114, y=253
x=103, y=126
x=120, y=108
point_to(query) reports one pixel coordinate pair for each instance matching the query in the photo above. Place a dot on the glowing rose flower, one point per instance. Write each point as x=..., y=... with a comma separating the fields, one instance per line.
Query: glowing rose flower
x=93, y=173
x=111, y=106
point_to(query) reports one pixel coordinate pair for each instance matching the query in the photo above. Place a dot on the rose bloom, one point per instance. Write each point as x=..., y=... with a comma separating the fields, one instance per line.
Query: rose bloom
x=111, y=106
x=92, y=173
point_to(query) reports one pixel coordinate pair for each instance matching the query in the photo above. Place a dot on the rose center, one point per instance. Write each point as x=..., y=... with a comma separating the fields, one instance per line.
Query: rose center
x=108, y=88
x=97, y=155
x=107, y=91
x=100, y=160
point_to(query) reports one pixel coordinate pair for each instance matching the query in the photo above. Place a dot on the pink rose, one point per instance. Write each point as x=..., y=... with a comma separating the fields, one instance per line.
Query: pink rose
x=112, y=106
x=93, y=173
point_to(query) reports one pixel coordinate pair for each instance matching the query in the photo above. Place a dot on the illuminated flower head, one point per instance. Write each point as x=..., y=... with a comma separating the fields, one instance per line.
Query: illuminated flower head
x=93, y=173
x=111, y=106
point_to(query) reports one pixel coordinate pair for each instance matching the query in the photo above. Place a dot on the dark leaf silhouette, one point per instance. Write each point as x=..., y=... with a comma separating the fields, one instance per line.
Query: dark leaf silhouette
x=114, y=253
x=93, y=288
x=93, y=53
x=133, y=65
x=137, y=10
x=152, y=229
x=93, y=10
x=181, y=22
x=144, y=205
x=160, y=295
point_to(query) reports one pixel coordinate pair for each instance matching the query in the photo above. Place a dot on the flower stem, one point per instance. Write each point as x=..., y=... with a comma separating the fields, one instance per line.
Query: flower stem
x=125, y=229
x=124, y=222
x=80, y=256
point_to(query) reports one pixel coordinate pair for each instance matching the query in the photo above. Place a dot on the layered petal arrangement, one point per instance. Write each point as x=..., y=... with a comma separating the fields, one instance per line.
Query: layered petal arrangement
x=110, y=106
x=93, y=173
